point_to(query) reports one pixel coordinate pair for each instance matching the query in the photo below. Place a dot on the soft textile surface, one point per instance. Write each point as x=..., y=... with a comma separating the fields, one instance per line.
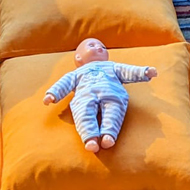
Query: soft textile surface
x=1, y=148
x=30, y=27
x=183, y=15
x=42, y=150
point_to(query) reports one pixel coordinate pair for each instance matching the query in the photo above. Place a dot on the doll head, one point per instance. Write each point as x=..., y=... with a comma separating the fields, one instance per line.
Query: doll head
x=90, y=50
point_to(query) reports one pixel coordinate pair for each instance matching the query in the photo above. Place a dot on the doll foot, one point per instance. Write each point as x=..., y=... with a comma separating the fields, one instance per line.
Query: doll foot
x=107, y=141
x=92, y=145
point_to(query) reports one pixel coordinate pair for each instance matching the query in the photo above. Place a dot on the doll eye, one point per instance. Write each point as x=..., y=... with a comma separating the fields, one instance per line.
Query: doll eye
x=91, y=45
x=103, y=47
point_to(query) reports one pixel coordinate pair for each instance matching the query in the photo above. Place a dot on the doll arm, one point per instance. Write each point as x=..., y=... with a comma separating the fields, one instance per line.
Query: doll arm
x=49, y=98
x=151, y=72
x=130, y=73
x=60, y=89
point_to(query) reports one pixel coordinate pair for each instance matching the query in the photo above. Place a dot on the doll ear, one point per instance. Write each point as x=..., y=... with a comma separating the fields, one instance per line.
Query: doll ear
x=78, y=58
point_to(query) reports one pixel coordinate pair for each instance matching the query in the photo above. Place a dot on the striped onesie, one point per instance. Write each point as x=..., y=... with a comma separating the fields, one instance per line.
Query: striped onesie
x=98, y=84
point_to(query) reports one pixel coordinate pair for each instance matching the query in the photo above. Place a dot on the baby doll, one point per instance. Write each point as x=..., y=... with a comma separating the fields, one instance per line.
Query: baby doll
x=97, y=83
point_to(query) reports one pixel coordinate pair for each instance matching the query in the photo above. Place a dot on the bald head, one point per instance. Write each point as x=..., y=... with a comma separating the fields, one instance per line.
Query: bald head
x=89, y=50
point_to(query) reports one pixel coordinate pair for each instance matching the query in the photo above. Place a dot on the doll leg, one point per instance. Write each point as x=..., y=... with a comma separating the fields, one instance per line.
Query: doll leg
x=113, y=114
x=107, y=141
x=85, y=117
x=92, y=144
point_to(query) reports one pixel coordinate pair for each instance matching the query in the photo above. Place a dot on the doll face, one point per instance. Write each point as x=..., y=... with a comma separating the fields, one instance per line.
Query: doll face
x=90, y=50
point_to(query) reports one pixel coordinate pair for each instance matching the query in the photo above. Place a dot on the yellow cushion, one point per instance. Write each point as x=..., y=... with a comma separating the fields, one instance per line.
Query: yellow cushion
x=30, y=27
x=42, y=150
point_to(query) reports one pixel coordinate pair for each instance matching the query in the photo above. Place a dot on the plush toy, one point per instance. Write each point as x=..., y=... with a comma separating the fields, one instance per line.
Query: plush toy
x=97, y=83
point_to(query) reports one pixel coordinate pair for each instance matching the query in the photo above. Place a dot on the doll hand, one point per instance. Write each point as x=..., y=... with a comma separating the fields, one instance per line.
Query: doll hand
x=151, y=72
x=49, y=98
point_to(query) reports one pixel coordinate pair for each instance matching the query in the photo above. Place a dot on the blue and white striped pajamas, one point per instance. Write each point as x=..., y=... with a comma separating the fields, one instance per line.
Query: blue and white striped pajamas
x=98, y=85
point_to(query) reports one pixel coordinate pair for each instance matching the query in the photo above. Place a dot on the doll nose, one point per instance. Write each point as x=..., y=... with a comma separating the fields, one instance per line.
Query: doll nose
x=99, y=48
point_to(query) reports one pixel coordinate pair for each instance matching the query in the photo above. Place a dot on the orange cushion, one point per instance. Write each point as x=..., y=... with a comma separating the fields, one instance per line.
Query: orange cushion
x=42, y=150
x=1, y=150
x=30, y=27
